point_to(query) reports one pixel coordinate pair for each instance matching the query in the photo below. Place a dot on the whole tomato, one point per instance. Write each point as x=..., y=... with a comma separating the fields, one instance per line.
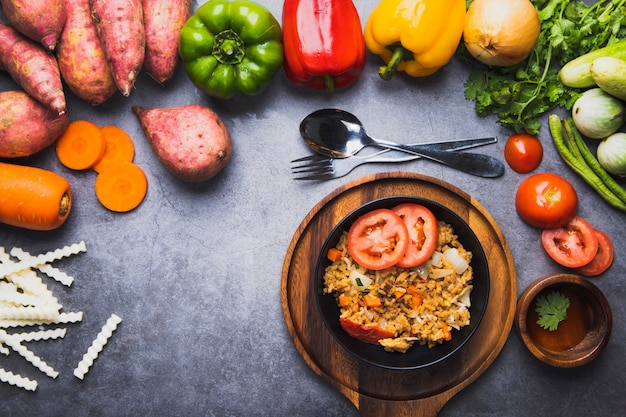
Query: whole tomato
x=546, y=201
x=523, y=152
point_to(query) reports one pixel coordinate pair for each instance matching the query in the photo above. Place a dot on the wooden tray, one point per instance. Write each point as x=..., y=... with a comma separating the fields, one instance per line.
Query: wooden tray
x=377, y=391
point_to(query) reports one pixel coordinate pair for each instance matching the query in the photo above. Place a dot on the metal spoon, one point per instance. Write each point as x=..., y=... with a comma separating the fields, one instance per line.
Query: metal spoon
x=340, y=134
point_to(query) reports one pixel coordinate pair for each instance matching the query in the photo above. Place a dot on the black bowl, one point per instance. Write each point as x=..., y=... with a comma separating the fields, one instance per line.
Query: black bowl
x=418, y=356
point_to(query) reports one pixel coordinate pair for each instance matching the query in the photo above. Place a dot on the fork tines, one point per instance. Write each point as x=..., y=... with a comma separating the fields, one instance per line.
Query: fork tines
x=313, y=166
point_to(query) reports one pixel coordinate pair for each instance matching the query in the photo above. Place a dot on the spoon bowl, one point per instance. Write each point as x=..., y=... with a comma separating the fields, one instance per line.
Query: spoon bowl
x=340, y=134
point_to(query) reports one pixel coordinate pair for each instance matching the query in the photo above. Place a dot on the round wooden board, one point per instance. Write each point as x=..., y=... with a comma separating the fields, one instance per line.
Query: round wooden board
x=377, y=391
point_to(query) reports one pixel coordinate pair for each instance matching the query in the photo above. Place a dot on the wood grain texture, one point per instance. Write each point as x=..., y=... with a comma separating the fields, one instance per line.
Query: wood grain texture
x=377, y=391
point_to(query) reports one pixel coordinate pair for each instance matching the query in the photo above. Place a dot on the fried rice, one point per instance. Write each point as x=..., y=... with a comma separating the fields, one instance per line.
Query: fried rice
x=423, y=305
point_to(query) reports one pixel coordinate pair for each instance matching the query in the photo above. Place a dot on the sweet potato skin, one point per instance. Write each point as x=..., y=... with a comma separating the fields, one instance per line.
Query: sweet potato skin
x=27, y=126
x=121, y=30
x=163, y=21
x=82, y=61
x=191, y=141
x=41, y=21
x=34, y=69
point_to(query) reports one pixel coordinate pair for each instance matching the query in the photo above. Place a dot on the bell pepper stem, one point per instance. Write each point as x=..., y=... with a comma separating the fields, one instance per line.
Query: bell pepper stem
x=329, y=81
x=386, y=72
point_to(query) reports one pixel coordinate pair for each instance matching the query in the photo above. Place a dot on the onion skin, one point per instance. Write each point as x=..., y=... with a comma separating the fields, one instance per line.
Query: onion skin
x=501, y=33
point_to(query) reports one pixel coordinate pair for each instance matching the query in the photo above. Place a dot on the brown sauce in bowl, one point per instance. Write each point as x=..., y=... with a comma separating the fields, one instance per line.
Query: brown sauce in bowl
x=570, y=331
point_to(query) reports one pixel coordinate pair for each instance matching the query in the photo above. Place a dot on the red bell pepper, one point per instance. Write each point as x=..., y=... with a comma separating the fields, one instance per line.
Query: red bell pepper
x=323, y=43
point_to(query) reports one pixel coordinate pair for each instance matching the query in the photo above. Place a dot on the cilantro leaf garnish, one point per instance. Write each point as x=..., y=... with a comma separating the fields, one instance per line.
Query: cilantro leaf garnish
x=552, y=309
x=519, y=95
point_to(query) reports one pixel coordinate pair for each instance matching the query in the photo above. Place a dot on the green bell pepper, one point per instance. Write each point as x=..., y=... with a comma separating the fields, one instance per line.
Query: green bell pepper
x=230, y=47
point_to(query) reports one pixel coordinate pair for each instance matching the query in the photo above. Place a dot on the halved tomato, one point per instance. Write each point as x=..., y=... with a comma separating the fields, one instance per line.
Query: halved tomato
x=572, y=245
x=378, y=239
x=603, y=259
x=423, y=232
x=367, y=334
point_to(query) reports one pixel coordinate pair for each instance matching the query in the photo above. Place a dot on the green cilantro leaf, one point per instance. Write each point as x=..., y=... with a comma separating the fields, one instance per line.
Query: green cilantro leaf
x=552, y=309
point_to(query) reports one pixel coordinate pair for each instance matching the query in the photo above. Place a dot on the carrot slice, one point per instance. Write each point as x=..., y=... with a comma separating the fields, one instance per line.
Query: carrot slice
x=121, y=187
x=119, y=147
x=334, y=254
x=81, y=145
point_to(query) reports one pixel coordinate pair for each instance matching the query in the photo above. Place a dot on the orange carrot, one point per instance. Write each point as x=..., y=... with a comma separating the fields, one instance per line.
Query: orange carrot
x=81, y=146
x=399, y=293
x=418, y=297
x=119, y=147
x=371, y=300
x=334, y=254
x=344, y=300
x=121, y=187
x=33, y=198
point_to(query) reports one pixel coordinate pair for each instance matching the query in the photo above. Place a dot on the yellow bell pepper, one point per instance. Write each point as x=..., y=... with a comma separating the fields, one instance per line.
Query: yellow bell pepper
x=414, y=36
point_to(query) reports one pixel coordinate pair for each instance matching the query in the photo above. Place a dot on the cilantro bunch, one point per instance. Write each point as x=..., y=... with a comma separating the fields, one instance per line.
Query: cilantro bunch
x=518, y=95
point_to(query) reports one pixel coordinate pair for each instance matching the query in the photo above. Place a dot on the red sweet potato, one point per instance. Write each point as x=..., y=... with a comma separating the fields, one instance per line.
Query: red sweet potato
x=34, y=69
x=191, y=141
x=121, y=30
x=163, y=21
x=41, y=21
x=82, y=61
x=27, y=126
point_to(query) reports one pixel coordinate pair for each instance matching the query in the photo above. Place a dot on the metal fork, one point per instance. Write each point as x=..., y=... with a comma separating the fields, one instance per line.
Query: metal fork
x=320, y=167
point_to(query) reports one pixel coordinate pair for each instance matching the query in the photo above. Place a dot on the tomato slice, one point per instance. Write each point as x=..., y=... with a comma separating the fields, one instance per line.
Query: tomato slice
x=572, y=245
x=423, y=232
x=603, y=259
x=367, y=334
x=378, y=239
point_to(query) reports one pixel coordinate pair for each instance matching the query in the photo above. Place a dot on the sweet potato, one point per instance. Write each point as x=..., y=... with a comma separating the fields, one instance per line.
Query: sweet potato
x=82, y=61
x=121, y=30
x=34, y=69
x=27, y=126
x=191, y=141
x=163, y=21
x=41, y=21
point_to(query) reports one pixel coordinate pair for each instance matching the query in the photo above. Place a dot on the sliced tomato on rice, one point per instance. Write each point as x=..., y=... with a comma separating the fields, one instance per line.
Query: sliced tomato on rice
x=423, y=232
x=378, y=239
x=367, y=334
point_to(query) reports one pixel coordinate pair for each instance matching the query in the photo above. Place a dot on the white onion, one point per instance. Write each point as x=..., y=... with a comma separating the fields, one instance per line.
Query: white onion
x=458, y=262
x=356, y=276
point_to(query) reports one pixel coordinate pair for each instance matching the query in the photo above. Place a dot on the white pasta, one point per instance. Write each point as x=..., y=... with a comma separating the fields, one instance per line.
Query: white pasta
x=69, y=317
x=25, y=300
x=47, y=269
x=27, y=354
x=49, y=313
x=33, y=261
x=17, y=380
x=9, y=293
x=97, y=345
x=40, y=335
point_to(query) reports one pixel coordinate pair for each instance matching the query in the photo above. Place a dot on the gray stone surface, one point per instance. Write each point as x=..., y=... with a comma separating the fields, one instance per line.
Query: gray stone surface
x=195, y=271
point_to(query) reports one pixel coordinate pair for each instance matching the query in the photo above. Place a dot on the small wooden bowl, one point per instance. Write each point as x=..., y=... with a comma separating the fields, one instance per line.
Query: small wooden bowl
x=581, y=337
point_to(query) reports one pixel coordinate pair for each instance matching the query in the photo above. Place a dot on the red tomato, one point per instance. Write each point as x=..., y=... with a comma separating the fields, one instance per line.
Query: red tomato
x=546, y=201
x=572, y=245
x=603, y=258
x=423, y=232
x=367, y=334
x=378, y=239
x=523, y=152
